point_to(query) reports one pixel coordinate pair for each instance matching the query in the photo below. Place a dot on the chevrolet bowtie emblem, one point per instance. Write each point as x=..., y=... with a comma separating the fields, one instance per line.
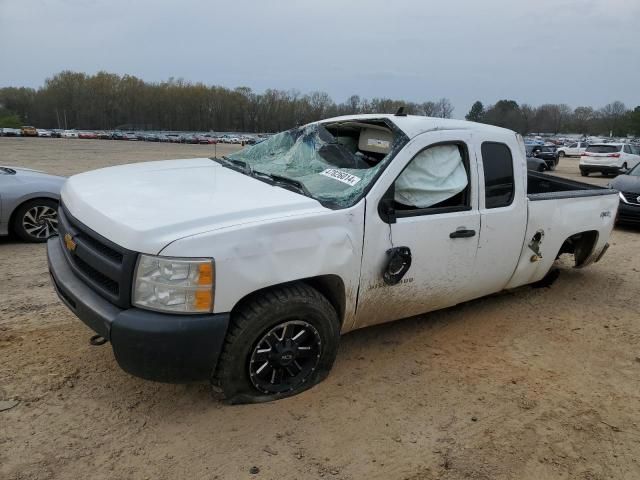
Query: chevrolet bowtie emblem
x=69, y=242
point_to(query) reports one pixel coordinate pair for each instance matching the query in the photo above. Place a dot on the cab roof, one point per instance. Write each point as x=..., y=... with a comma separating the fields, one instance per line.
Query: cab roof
x=413, y=125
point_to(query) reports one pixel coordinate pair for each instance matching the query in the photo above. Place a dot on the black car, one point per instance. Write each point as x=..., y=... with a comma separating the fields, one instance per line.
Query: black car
x=548, y=153
x=629, y=187
x=536, y=164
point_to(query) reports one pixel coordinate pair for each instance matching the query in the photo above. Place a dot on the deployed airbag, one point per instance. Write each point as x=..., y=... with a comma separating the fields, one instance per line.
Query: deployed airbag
x=433, y=176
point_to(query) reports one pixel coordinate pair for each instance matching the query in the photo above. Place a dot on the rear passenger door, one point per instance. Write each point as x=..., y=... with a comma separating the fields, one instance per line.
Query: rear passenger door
x=503, y=211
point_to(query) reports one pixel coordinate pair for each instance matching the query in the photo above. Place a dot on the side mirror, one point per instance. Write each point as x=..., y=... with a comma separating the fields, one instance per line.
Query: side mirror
x=386, y=210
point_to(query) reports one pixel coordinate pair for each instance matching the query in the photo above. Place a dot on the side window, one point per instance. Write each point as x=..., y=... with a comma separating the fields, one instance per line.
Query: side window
x=573, y=145
x=436, y=180
x=497, y=163
x=627, y=149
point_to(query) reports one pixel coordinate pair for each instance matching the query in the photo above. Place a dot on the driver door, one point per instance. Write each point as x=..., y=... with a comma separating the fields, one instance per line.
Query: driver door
x=443, y=241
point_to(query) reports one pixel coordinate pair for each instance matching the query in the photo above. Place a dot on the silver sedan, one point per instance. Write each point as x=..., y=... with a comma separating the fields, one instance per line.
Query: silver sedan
x=29, y=203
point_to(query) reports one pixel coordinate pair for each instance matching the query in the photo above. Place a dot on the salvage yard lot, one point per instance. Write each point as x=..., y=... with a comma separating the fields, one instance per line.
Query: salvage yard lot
x=529, y=384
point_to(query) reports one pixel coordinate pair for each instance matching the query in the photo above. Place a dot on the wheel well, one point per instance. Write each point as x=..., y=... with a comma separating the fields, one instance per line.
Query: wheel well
x=17, y=207
x=580, y=245
x=330, y=286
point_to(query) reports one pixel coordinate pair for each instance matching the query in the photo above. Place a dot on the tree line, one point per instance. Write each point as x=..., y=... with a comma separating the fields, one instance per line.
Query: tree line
x=612, y=119
x=106, y=101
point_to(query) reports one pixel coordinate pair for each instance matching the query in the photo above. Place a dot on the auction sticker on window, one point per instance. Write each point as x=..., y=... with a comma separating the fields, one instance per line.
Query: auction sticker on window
x=341, y=176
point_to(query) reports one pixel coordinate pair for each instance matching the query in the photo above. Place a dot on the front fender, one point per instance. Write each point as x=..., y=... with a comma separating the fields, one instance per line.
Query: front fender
x=255, y=256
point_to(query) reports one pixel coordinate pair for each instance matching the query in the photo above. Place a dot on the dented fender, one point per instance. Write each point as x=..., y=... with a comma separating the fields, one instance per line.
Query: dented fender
x=251, y=257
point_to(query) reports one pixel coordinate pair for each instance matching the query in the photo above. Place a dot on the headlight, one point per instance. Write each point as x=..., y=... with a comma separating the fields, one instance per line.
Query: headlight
x=174, y=284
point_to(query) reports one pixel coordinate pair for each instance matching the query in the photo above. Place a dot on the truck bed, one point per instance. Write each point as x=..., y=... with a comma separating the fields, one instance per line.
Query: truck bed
x=542, y=186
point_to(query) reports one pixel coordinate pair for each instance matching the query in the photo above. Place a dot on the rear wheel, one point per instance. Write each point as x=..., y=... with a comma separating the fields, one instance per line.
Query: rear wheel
x=584, y=173
x=553, y=164
x=624, y=168
x=280, y=343
x=561, y=153
x=36, y=220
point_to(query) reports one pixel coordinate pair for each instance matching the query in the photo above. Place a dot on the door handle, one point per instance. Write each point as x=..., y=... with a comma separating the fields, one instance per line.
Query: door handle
x=462, y=233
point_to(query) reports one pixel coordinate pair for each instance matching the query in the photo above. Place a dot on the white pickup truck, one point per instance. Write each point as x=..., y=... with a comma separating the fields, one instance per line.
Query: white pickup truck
x=247, y=269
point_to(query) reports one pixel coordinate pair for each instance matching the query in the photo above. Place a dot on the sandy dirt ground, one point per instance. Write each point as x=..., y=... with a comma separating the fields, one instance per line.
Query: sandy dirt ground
x=529, y=384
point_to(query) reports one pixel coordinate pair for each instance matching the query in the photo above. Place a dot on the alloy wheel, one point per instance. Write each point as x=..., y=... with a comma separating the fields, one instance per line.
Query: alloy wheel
x=40, y=222
x=285, y=357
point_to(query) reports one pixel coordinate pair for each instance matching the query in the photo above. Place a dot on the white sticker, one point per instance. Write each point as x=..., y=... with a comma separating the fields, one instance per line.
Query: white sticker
x=372, y=142
x=341, y=176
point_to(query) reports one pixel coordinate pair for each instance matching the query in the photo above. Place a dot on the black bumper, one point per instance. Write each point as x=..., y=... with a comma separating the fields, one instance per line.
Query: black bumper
x=155, y=346
x=629, y=214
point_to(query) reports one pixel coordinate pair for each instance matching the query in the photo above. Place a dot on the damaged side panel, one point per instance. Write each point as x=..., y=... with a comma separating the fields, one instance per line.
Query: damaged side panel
x=255, y=256
x=553, y=223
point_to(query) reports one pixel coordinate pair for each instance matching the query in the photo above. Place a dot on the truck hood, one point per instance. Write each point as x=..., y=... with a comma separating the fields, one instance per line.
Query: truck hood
x=146, y=206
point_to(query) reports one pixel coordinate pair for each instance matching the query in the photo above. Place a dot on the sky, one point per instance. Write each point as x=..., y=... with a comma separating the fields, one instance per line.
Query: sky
x=579, y=52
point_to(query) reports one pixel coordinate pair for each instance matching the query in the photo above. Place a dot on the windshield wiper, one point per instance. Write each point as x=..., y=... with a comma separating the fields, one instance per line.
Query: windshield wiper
x=272, y=178
x=285, y=182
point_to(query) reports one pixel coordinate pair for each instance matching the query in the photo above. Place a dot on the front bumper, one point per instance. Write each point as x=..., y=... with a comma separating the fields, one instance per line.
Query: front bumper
x=155, y=346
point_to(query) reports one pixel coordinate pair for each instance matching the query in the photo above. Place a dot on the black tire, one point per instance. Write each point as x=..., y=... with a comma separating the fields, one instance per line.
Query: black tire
x=584, y=173
x=561, y=154
x=624, y=168
x=247, y=373
x=552, y=165
x=36, y=220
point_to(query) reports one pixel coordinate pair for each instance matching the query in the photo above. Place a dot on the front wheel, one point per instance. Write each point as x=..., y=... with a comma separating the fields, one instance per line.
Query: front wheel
x=36, y=220
x=280, y=343
x=561, y=154
x=553, y=164
x=584, y=173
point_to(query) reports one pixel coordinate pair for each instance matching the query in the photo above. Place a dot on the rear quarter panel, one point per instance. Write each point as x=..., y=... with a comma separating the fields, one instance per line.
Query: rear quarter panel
x=559, y=219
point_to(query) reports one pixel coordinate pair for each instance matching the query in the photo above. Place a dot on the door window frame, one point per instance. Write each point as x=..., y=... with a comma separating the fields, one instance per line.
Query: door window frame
x=388, y=197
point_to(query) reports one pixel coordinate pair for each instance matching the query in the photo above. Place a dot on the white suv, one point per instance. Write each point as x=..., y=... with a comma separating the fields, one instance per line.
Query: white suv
x=574, y=150
x=608, y=158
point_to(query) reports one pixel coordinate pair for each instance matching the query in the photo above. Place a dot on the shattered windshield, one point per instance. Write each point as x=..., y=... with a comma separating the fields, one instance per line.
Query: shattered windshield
x=332, y=164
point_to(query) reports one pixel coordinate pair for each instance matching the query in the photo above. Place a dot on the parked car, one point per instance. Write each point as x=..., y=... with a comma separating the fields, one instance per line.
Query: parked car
x=130, y=136
x=247, y=269
x=629, y=187
x=189, y=138
x=536, y=164
x=11, y=132
x=88, y=135
x=69, y=134
x=174, y=138
x=29, y=201
x=573, y=150
x=28, y=131
x=151, y=137
x=56, y=133
x=548, y=153
x=44, y=133
x=608, y=158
